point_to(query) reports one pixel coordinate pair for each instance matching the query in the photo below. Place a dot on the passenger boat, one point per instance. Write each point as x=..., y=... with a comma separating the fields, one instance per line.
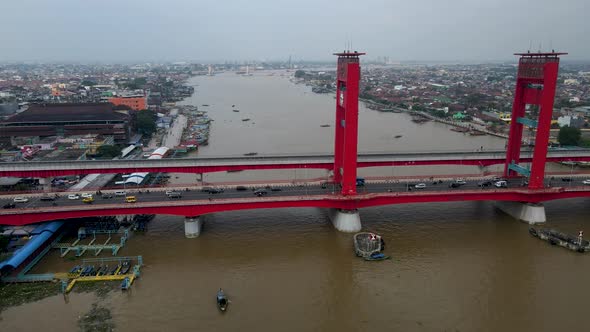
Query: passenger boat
x=367, y=244
x=563, y=240
x=222, y=300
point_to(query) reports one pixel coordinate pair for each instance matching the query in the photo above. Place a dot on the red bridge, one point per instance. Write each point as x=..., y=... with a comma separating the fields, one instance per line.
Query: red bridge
x=536, y=83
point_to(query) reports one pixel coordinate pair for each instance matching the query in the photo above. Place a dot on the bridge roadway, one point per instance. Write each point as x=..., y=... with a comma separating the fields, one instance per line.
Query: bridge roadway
x=260, y=162
x=196, y=202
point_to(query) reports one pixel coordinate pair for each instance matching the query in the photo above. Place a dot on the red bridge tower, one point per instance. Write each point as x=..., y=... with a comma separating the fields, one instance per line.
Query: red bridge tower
x=535, y=85
x=347, y=108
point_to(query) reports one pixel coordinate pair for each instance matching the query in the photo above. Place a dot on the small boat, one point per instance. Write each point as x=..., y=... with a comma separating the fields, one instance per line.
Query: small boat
x=234, y=170
x=325, y=125
x=366, y=244
x=563, y=240
x=236, y=111
x=234, y=105
x=377, y=256
x=397, y=136
x=250, y=154
x=246, y=119
x=205, y=105
x=222, y=301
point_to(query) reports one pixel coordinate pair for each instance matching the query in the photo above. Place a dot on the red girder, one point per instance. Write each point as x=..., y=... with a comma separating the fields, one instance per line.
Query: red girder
x=211, y=169
x=201, y=207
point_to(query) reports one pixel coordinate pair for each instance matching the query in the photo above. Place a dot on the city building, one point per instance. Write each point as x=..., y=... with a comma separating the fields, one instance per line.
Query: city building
x=62, y=120
x=135, y=102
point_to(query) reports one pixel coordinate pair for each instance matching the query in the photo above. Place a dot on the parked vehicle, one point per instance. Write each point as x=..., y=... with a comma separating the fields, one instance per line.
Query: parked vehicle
x=73, y=196
x=20, y=200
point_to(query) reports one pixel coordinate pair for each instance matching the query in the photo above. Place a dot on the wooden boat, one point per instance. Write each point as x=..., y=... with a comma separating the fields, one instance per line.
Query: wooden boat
x=563, y=240
x=222, y=300
x=366, y=244
x=125, y=267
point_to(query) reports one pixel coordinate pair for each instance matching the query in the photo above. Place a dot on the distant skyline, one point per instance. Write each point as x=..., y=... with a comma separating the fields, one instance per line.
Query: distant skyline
x=271, y=30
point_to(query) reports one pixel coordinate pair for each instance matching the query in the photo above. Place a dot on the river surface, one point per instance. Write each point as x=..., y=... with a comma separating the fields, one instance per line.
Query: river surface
x=455, y=267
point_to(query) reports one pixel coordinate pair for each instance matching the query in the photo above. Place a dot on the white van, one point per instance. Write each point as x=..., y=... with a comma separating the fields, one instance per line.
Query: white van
x=120, y=193
x=501, y=184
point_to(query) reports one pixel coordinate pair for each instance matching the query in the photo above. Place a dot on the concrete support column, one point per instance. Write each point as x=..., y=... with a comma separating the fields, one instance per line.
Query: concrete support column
x=192, y=227
x=348, y=221
x=530, y=213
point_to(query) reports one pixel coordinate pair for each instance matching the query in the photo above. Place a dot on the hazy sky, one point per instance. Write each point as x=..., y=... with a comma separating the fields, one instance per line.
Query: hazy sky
x=179, y=30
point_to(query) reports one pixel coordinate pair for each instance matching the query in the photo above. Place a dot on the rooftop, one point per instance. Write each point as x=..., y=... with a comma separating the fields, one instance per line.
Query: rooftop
x=44, y=113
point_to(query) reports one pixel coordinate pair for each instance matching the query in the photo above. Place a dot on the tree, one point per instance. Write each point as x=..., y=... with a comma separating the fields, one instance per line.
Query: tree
x=109, y=151
x=299, y=74
x=146, y=122
x=569, y=136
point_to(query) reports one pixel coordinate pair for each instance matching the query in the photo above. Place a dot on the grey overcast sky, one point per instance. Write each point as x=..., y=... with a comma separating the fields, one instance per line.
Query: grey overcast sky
x=203, y=30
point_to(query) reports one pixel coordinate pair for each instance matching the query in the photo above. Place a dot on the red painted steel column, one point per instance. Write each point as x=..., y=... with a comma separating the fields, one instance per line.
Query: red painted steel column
x=339, y=133
x=351, y=129
x=544, y=125
x=515, y=136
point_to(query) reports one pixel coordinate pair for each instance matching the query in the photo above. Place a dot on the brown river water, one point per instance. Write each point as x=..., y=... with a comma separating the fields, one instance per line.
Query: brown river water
x=455, y=267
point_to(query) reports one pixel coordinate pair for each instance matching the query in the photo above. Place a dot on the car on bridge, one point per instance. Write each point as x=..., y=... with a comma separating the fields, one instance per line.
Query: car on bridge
x=501, y=184
x=420, y=186
x=9, y=206
x=85, y=195
x=241, y=188
x=73, y=196
x=216, y=190
x=106, y=196
x=483, y=184
x=120, y=193
x=587, y=181
x=460, y=181
x=130, y=199
x=454, y=185
x=174, y=194
x=47, y=198
x=20, y=200
x=260, y=192
x=88, y=200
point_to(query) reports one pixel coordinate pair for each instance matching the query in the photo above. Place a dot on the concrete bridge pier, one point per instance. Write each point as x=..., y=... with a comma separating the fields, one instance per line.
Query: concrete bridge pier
x=348, y=221
x=531, y=213
x=192, y=227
